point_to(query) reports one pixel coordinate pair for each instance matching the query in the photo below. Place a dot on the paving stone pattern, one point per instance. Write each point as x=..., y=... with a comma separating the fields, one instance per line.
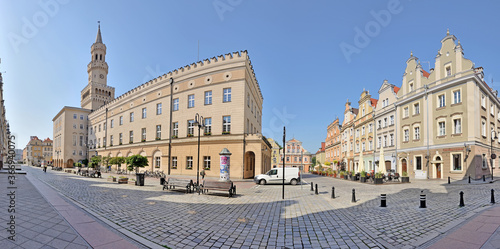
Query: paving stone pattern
x=258, y=218
x=38, y=225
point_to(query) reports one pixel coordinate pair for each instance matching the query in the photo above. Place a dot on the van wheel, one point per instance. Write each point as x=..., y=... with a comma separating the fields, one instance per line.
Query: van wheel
x=262, y=182
x=293, y=182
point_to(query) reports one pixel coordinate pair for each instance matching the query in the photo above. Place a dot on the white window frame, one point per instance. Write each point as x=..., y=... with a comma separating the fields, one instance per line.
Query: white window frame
x=441, y=130
x=457, y=96
x=441, y=100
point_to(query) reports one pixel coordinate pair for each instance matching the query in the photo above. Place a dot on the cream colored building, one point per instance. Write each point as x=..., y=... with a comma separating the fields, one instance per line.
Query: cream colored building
x=386, y=126
x=447, y=117
x=70, y=136
x=4, y=128
x=364, y=134
x=222, y=89
x=275, y=153
x=347, y=137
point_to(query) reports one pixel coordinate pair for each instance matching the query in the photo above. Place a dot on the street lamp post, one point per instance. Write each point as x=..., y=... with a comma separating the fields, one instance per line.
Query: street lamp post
x=198, y=120
x=493, y=156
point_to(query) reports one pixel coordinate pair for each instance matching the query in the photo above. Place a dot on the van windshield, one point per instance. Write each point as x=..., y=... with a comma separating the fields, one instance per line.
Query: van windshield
x=272, y=172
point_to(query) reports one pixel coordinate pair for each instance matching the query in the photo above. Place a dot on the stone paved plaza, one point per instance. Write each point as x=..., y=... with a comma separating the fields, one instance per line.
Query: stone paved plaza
x=258, y=217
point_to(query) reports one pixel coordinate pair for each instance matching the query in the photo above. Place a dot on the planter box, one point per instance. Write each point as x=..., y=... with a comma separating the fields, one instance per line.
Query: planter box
x=362, y=179
x=131, y=183
x=122, y=180
x=378, y=181
x=111, y=179
x=405, y=179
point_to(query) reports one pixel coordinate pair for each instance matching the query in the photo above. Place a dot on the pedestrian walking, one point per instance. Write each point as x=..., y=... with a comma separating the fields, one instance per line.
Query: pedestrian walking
x=202, y=174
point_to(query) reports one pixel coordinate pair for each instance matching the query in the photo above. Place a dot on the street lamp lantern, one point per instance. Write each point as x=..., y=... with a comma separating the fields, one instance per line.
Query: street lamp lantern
x=493, y=156
x=198, y=121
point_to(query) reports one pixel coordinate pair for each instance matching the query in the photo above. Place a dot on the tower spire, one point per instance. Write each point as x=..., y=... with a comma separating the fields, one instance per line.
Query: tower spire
x=98, y=39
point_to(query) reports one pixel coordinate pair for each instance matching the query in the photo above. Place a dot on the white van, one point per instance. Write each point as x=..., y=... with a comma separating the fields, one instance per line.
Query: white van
x=275, y=176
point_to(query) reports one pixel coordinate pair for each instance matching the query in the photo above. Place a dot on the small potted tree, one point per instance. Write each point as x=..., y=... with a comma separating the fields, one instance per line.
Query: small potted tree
x=362, y=176
x=111, y=179
x=334, y=174
x=346, y=175
x=134, y=163
x=330, y=172
x=405, y=177
x=341, y=174
x=353, y=176
x=378, y=178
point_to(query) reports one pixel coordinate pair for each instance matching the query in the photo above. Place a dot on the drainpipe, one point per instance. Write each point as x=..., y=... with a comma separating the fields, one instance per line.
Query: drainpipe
x=426, y=87
x=396, y=135
x=375, y=142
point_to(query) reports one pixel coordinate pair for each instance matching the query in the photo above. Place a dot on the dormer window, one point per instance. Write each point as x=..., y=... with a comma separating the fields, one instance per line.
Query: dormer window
x=411, y=87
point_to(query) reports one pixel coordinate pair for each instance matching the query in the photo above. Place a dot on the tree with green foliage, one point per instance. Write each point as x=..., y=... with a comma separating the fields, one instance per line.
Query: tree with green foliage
x=313, y=160
x=117, y=161
x=135, y=162
x=85, y=162
x=105, y=160
x=94, y=161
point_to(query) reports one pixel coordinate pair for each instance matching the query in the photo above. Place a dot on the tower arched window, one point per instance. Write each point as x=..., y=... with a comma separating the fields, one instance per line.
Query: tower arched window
x=96, y=57
x=100, y=57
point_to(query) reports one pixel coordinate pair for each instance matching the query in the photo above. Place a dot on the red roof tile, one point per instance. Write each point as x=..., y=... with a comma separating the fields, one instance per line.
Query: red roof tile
x=396, y=89
x=374, y=102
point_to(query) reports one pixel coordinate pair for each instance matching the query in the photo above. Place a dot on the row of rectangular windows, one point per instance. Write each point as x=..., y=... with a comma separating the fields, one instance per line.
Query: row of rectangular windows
x=207, y=131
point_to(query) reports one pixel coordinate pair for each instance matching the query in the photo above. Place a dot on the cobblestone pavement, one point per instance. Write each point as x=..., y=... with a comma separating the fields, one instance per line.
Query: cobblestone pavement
x=37, y=224
x=258, y=218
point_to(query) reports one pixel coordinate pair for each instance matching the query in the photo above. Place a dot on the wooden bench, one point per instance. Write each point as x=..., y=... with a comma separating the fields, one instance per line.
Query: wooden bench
x=171, y=183
x=218, y=186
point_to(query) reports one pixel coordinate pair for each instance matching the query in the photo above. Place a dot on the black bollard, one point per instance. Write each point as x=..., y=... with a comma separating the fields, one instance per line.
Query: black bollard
x=448, y=180
x=422, y=200
x=492, y=196
x=469, y=178
x=353, y=195
x=462, y=204
x=333, y=192
x=312, y=187
x=484, y=178
x=316, y=191
x=383, y=199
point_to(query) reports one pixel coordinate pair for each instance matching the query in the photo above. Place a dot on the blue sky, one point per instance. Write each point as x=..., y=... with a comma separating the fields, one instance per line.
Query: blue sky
x=295, y=48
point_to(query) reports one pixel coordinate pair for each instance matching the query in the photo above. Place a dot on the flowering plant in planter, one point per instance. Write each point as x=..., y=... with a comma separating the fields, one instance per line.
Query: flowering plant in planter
x=143, y=140
x=157, y=138
x=207, y=133
x=226, y=132
x=174, y=136
x=190, y=135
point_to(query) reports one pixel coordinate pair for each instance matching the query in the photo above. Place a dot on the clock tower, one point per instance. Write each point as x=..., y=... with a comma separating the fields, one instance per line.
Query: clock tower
x=97, y=92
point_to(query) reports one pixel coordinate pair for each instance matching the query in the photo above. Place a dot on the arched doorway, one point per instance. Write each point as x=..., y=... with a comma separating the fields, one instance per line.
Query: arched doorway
x=403, y=166
x=69, y=164
x=438, y=168
x=249, y=170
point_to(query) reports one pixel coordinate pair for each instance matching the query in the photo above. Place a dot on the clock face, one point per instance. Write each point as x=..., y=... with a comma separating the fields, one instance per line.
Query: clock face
x=102, y=76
